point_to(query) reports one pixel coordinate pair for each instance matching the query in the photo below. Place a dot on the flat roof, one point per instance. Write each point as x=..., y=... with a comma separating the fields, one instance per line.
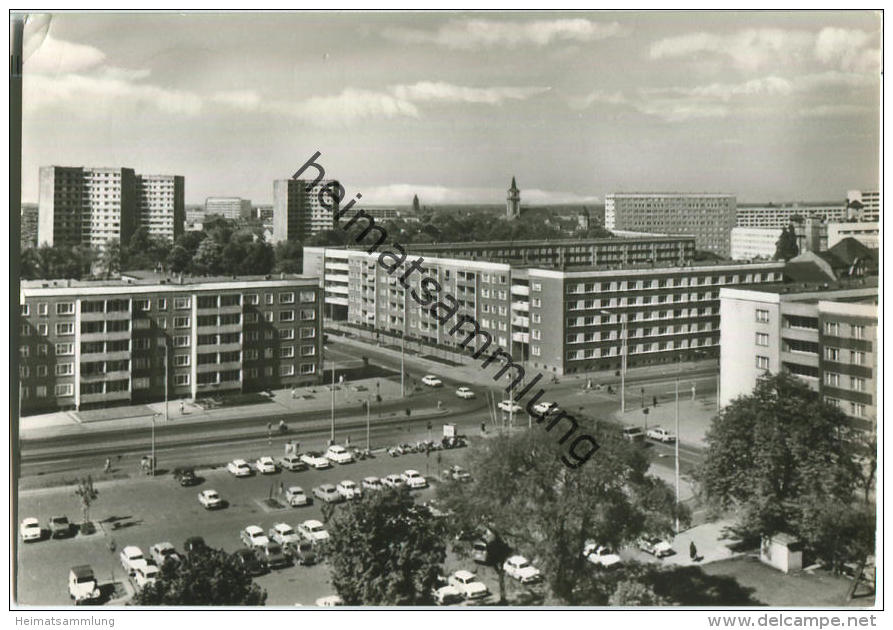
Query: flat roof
x=813, y=291
x=149, y=282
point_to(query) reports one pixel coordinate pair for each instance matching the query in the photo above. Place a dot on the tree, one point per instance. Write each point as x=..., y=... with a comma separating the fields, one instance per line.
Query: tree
x=145, y=251
x=385, y=550
x=111, y=257
x=88, y=494
x=60, y=261
x=634, y=593
x=781, y=458
x=786, y=247
x=289, y=257
x=210, y=577
x=547, y=511
x=208, y=258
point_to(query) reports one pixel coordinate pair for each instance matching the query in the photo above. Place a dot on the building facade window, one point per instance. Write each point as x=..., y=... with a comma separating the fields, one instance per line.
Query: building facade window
x=65, y=308
x=181, y=322
x=762, y=339
x=832, y=354
x=762, y=362
x=65, y=389
x=832, y=379
x=182, y=302
x=762, y=316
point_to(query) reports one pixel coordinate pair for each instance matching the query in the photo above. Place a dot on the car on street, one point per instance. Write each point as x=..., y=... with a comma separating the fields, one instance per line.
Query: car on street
x=313, y=531
x=456, y=473
x=253, y=536
x=545, y=407
x=265, y=465
x=315, y=460
x=519, y=568
x=239, y=468
x=414, y=480
x=210, y=500
x=446, y=595
x=509, y=406
x=131, y=557
x=600, y=555
x=82, y=585
x=273, y=554
x=655, y=546
x=431, y=381
x=330, y=600
x=302, y=552
x=371, y=483
x=248, y=560
x=295, y=497
x=339, y=455
x=348, y=489
x=284, y=534
x=633, y=434
x=185, y=476
x=162, y=552
x=30, y=530
x=328, y=493
x=292, y=463
x=60, y=527
x=464, y=392
x=393, y=481
x=660, y=434
x=469, y=585
x=194, y=544
x=144, y=574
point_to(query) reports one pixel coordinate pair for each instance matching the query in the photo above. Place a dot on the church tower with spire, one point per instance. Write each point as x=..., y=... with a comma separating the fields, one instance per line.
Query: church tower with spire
x=513, y=201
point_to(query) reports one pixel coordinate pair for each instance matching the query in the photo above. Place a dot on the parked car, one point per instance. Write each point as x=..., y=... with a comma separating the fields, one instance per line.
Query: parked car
x=339, y=455
x=210, y=500
x=185, y=476
x=371, y=483
x=633, y=434
x=468, y=584
x=655, y=546
x=82, y=585
x=329, y=601
x=392, y=481
x=253, y=536
x=315, y=460
x=414, y=480
x=294, y=496
x=313, y=531
x=30, y=530
x=519, y=568
x=239, y=468
x=509, y=406
x=600, y=555
x=265, y=465
x=248, y=560
x=194, y=544
x=446, y=595
x=328, y=493
x=302, y=552
x=660, y=434
x=284, y=534
x=348, y=489
x=60, y=527
x=131, y=557
x=464, y=392
x=292, y=463
x=273, y=554
x=144, y=574
x=162, y=552
x=456, y=473
x=479, y=552
x=545, y=407
x=431, y=381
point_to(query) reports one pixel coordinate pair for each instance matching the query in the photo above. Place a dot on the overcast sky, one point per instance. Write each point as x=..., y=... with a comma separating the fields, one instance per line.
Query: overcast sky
x=769, y=106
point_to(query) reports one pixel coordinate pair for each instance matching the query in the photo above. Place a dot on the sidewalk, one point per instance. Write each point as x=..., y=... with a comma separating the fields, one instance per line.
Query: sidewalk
x=695, y=417
x=709, y=543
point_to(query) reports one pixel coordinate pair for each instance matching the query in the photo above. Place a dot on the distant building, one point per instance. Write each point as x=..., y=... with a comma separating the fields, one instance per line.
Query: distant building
x=297, y=212
x=583, y=221
x=162, y=205
x=867, y=233
x=513, y=201
x=195, y=215
x=750, y=243
x=709, y=217
x=779, y=216
x=29, y=225
x=415, y=204
x=825, y=334
x=228, y=207
x=863, y=205
x=382, y=213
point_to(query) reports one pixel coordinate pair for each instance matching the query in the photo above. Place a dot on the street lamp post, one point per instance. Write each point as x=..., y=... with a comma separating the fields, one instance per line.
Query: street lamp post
x=622, y=359
x=368, y=409
x=154, y=415
x=332, y=416
x=403, y=365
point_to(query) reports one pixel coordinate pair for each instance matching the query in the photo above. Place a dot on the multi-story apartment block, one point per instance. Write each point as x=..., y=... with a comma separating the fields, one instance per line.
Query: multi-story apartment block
x=863, y=205
x=825, y=335
x=297, y=212
x=162, y=205
x=562, y=321
x=709, y=217
x=29, y=225
x=780, y=216
x=89, y=206
x=86, y=344
x=228, y=207
x=867, y=233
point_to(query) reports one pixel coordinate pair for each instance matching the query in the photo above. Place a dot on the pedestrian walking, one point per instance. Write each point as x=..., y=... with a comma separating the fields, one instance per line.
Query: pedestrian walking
x=693, y=551
x=294, y=393
x=281, y=487
x=483, y=427
x=108, y=464
x=182, y=408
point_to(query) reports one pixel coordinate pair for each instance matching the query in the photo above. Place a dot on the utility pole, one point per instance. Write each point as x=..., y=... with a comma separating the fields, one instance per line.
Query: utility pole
x=368, y=409
x=677, y=452
x=623, y=366
x=154, y=415
x=403, y=365
x=166, y=379
x=332, y=431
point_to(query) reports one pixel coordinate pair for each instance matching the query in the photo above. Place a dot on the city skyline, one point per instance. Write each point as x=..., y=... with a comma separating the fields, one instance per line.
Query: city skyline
x=575, y=105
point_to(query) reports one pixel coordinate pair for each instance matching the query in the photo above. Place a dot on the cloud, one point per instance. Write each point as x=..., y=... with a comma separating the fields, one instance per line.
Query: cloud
x=426, y=91
x=59, y=56
x=477, y=33
x=351, y=106
x=850, y=50
x=247, y=100
x=435, y=194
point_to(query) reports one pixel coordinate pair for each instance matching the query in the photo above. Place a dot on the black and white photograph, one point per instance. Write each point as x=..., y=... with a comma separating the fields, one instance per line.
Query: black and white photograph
x=450, y=311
